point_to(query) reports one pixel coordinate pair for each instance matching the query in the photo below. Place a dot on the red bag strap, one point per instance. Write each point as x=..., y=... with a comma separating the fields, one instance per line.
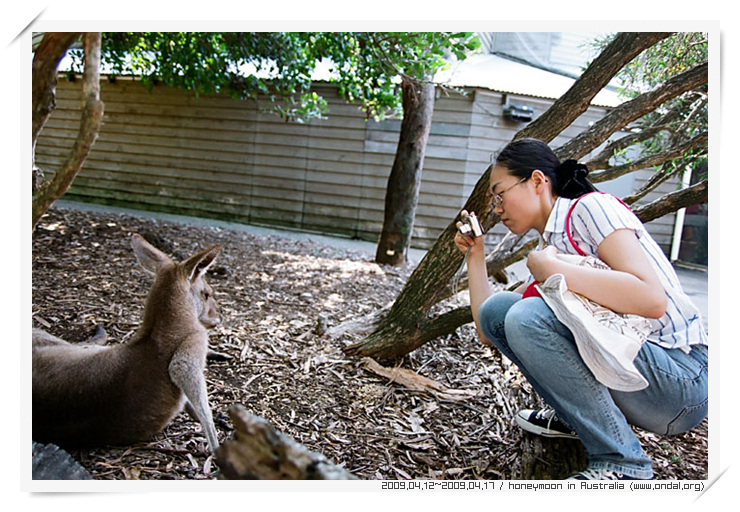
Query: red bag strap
x=570, y=210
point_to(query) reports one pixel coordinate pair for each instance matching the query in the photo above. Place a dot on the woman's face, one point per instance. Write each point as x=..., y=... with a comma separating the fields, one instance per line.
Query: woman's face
x=519, y=205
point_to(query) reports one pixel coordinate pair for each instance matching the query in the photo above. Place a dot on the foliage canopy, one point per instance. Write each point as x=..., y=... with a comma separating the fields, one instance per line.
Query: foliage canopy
x=366, y=66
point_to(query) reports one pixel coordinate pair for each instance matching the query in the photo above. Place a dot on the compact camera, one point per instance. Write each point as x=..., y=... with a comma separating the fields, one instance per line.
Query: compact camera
x=470, y=226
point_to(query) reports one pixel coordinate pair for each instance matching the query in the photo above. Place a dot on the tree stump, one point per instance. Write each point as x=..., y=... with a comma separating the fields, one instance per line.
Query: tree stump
x=545, y=458
x=259, y=452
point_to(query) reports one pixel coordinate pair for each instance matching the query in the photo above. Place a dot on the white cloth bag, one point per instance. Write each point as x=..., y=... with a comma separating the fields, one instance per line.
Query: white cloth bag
x=607, y=341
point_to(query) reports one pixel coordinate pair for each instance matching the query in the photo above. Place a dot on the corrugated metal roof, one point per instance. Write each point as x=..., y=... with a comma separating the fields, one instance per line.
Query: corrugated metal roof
x=505, y=75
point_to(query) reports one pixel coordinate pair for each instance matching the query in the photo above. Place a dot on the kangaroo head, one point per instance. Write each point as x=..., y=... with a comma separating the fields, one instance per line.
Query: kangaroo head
x=188, y=275
x=201, y=293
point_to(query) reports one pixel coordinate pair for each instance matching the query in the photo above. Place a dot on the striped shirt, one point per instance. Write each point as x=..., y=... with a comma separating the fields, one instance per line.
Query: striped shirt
x=595, y=217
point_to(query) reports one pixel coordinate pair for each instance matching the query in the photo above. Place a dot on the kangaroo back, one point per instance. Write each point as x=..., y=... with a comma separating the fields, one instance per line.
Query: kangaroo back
x=87, y=394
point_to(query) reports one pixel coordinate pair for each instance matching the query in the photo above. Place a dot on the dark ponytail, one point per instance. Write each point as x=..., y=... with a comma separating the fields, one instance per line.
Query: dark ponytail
x=571, y=181
x=522, y=156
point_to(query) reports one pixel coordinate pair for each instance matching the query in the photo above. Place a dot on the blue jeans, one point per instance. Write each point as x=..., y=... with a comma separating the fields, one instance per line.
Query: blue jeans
x=676, y=400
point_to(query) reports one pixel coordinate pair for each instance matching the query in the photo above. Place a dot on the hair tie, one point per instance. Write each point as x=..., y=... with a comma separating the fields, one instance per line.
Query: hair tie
x=571, y=172
x=572, y=169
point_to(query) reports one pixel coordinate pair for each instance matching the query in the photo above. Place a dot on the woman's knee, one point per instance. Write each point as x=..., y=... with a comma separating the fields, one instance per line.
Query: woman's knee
x=529, y=316
x=492, y=313
x=531, y=326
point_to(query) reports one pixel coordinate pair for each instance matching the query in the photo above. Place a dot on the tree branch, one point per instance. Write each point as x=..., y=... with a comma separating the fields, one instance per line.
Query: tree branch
x=658, y=177
x=46, y=60
x=674, y=201
x=631, y=110
x=650, y=160
x=92, y=115
x=601, y=161
x=625, y=47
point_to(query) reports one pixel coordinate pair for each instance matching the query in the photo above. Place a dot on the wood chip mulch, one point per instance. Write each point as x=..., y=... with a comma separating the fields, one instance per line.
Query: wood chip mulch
x=277, y=295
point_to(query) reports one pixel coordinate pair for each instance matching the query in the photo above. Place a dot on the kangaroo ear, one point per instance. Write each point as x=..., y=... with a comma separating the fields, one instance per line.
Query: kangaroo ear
x=196, y=265
x=148, y=256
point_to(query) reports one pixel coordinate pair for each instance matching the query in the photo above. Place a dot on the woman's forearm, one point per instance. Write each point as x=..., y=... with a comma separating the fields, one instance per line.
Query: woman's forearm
x=619, y=291
x=631, y=286
x=478, y=285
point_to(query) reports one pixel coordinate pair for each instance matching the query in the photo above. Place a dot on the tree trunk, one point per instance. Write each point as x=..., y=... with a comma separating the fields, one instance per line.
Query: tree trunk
x=46, y=60
x=92, y=115
x=403, y=328
x=402, y=192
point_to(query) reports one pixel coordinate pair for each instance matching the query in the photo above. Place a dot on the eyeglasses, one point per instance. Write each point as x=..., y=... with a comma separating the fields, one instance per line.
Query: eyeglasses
x=498, y=199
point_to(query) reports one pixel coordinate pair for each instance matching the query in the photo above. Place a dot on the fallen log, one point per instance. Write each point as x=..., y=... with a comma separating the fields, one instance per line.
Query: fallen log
x=259, y=452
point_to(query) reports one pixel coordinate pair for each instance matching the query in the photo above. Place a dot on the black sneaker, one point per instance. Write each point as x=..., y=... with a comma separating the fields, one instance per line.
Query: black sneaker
x=601, y=474
x=543, y=422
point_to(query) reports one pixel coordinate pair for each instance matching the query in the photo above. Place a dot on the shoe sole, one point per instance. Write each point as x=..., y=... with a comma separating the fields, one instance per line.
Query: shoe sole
x=541, y=431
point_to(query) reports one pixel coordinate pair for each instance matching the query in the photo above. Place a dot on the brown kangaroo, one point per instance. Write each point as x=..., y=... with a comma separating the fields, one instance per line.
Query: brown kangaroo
x=91, y=395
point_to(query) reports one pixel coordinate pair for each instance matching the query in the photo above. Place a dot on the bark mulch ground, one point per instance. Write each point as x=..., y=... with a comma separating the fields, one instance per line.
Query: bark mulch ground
x=277, y=295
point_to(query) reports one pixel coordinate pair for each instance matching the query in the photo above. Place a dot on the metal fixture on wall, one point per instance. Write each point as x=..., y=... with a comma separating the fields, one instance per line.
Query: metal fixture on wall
x=518, y=113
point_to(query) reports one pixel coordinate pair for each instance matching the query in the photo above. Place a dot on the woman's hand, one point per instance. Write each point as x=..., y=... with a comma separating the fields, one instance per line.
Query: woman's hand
x=542, y=264
x=464, y=242
x=478, y=284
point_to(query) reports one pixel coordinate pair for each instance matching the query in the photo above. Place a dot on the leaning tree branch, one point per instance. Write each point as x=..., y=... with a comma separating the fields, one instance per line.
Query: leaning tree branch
x=660, y=176
x=625, y=47
x=650, y=160
x=629, y=111
x=674, y=201
x=601, y=161
x=92, y=116
x=46, y=60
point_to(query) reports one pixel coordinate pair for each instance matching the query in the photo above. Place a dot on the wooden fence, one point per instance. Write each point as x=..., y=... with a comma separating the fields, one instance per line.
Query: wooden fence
x=215, y=157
